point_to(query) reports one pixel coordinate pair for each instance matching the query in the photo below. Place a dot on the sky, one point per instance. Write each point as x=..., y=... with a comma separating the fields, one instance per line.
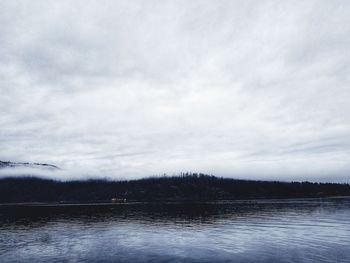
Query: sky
x=129, y=89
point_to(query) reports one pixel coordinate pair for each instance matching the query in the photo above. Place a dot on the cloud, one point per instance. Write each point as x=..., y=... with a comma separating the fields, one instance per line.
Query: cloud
x=251, y=89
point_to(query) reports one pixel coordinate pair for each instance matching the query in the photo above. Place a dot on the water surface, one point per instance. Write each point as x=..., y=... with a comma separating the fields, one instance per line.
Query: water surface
x=268, y=231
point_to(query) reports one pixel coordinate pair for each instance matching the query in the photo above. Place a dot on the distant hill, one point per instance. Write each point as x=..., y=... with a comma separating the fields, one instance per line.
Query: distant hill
x=8, y=164
x=193, y=187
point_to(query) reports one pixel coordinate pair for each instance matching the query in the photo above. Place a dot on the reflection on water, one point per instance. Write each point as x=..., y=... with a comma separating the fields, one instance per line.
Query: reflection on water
x=264, y=231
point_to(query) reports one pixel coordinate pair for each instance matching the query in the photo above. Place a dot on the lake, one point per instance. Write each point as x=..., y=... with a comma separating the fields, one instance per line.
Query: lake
x=309, y=230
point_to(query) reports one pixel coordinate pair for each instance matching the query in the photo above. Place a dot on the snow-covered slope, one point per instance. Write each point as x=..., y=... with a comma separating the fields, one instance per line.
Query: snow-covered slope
x=8, y=164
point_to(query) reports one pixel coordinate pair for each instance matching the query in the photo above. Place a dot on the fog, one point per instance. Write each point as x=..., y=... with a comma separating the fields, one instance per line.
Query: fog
x=129, y=89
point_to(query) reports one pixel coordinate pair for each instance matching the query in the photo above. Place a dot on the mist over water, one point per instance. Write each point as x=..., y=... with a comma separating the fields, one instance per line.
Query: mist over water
x=313, y=230
x=95, y=95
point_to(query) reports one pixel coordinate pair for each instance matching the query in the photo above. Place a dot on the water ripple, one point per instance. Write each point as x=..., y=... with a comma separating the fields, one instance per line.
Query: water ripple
x=265, y=231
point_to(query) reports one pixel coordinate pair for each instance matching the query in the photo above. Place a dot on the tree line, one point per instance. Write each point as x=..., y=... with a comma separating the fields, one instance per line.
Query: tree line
x=185, y=187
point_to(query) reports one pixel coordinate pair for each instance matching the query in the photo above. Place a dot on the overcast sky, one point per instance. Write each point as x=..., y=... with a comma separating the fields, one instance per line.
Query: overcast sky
x=248, y=89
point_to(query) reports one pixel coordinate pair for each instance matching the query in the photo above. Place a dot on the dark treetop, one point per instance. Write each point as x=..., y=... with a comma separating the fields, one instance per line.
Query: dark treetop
x=188, y=187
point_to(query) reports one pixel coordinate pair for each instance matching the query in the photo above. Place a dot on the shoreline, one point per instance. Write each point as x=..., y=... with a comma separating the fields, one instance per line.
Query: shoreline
x=165, y=202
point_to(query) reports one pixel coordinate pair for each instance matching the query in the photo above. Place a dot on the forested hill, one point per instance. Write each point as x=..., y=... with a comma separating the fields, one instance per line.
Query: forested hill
x=180, y=188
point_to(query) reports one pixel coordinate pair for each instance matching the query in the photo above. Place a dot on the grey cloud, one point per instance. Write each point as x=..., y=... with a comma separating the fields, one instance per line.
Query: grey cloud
x=234, y=88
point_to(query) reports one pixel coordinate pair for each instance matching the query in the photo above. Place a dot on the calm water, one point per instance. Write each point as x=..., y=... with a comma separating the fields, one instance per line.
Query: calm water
x=265, y=231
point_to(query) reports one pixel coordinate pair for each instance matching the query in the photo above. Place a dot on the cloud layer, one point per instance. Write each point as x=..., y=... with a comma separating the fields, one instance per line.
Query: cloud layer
x=249, y=89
